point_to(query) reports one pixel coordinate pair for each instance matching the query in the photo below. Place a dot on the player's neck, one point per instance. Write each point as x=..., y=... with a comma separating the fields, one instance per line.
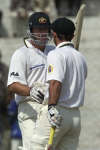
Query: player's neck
x=41, y=48
x=59, y=41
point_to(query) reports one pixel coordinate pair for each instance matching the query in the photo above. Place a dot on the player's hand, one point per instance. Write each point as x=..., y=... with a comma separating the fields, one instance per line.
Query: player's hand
x=54, y=116
x=36, y=95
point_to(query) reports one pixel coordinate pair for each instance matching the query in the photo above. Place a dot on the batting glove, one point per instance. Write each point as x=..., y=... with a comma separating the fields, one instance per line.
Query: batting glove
x=54, y=116
x=36, y=95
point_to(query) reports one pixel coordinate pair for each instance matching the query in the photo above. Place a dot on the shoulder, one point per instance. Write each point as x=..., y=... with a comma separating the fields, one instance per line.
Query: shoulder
x=54, y=54
x=21, y=52
x=81, y=56
x=83, y=60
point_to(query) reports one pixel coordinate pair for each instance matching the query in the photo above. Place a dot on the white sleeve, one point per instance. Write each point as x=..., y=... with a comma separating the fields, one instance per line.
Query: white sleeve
x=85, y=66
x=17, y=70
x=55, y=64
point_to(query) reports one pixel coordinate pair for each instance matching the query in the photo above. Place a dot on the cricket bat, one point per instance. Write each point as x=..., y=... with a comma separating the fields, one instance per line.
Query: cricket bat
x=52, y=132
x=78, y=25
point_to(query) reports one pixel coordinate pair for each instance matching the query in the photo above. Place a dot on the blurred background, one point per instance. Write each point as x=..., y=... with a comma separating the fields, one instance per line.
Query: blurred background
x=13, y=26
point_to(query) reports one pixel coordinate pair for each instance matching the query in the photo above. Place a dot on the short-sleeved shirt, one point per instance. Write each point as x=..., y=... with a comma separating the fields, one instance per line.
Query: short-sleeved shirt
x=28, y=65
x=68, y=66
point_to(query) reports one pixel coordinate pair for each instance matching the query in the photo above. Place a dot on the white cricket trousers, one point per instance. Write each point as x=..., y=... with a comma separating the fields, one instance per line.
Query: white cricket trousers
x=66, y=137
x=28, y=112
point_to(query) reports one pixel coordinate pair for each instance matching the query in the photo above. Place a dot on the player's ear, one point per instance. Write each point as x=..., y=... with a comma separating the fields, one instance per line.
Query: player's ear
x=72, y=36
x=54, y=34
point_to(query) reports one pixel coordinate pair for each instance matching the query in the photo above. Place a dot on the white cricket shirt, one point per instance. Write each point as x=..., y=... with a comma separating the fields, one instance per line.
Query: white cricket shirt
x=68, y=66
x=28, y=65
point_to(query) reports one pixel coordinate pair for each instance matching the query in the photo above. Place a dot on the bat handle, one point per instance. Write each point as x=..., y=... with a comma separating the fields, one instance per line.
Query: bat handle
x=52, y=131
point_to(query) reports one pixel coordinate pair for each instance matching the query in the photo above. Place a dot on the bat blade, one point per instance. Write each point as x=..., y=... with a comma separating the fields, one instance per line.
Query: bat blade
x=52, y=132
x=78, y=24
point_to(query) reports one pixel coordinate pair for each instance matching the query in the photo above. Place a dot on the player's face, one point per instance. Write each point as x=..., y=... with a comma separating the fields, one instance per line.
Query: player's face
x=41, y=36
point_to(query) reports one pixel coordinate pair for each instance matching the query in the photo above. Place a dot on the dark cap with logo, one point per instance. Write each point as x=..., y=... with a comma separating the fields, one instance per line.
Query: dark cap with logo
x=39, y=19
x=63, y=26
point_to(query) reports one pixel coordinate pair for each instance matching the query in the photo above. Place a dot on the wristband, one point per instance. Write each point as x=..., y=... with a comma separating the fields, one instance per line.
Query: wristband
x=50, y=105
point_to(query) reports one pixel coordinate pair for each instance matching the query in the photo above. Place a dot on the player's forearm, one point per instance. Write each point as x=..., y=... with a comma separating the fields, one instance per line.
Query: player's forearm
x=19, y=89
x=54, y=92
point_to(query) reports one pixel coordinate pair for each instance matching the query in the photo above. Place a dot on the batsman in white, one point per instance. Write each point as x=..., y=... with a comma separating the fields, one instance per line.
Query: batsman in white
x=67, y=71
x=27, y=74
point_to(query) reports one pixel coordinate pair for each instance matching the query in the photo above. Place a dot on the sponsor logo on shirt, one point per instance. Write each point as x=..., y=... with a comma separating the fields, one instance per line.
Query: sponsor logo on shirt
x=37, y=66
x=50, y=68
x=14, y=74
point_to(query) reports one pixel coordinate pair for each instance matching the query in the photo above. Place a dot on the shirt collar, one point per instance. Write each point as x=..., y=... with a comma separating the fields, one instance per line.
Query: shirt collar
x=36, y=49
x=63, y=43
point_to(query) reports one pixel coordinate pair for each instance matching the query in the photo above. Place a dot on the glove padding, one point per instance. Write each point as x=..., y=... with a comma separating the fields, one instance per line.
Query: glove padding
x=38, y=91
x=54, y=116
x=36, y=95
